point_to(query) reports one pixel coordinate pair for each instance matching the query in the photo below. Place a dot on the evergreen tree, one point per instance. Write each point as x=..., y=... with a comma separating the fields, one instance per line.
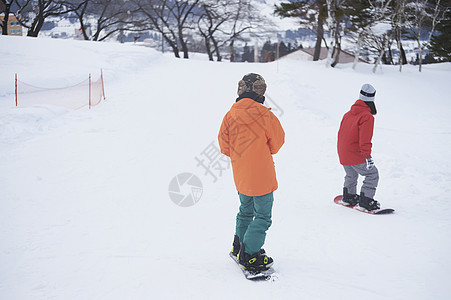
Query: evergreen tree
x=311, y=13
x=267, y=52
x=283, y=49
x=248, y=55
x=441, y=43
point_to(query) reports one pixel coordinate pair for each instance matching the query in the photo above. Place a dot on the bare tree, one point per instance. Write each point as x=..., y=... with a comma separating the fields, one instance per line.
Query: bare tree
x=377, y=39
x=397, y=20
x=378, y=43
x=32, y=13
x=111, y=16
x=172, y=19
x=223, y=22
x=213, y=15
x=420, y=14
x=244, y=18
x=335, y=23
x=342, y=18
x=361, y=17
x=81, y=13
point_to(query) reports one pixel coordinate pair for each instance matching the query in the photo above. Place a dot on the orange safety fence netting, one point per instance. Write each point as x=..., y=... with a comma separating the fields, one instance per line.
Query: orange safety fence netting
x=97, y=91
x=72, y=97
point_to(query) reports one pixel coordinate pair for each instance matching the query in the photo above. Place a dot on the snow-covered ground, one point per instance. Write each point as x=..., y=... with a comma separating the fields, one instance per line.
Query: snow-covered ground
x=85, y=211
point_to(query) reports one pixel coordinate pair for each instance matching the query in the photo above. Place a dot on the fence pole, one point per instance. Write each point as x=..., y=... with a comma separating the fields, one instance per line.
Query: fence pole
x=89, y=90
x=103, y=88
x=16, y=88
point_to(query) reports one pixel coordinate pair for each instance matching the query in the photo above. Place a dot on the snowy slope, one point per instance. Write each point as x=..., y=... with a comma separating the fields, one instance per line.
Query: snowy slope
x=84, y=206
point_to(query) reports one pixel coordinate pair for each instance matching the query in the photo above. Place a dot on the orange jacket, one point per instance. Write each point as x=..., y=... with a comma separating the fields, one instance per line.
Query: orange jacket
x=250, y=133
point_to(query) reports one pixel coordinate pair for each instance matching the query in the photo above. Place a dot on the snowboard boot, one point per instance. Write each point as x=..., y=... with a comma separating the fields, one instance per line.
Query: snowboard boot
x=349, y=199
x=255, y=262
x=236, y=246
x=368, y=203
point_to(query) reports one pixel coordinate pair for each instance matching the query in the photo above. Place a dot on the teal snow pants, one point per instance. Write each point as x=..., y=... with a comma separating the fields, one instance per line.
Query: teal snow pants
x=253, y=220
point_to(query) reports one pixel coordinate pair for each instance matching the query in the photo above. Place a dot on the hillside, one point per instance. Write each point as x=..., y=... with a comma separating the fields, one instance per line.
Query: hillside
x=85, y=211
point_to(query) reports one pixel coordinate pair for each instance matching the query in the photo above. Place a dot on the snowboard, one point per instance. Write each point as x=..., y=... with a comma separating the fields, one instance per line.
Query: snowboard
x=382, y=211
x=266, y=275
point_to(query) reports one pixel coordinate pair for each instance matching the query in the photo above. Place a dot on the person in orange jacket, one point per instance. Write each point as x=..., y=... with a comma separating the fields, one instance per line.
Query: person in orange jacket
x=250, y=134
x=354, y=150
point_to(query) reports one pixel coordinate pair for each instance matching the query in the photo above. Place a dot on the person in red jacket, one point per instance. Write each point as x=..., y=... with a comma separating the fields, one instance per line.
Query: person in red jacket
x=250, y=135
x=354, y=151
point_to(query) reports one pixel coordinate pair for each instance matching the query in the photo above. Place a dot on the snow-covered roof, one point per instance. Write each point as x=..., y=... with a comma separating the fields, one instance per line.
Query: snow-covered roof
x=307, y=53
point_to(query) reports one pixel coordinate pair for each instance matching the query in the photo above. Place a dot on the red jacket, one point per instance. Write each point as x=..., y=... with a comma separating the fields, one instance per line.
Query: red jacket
x=250, y=134
x=355, y=134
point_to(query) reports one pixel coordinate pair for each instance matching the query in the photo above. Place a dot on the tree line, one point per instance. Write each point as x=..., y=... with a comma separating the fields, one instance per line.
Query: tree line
x=217, y=22
x=376, y=25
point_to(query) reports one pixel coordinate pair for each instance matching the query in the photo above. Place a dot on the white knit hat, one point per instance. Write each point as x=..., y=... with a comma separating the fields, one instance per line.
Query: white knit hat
x=367, y=93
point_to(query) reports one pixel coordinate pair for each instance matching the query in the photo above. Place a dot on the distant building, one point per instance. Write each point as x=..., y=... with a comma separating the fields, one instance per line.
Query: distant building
x=307, y=54
x=14, y=27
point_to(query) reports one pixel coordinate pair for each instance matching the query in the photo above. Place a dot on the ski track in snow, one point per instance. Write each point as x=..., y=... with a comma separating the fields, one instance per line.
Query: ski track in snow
x=84, y=206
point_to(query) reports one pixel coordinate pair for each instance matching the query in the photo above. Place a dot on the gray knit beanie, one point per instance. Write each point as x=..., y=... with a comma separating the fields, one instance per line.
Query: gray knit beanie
x=367, y=93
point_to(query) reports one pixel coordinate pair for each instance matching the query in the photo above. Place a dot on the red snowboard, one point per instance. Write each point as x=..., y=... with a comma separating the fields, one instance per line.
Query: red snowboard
x=357, y=207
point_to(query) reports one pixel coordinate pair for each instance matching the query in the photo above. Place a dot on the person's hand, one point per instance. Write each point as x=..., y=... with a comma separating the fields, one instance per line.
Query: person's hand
x=369, y=163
